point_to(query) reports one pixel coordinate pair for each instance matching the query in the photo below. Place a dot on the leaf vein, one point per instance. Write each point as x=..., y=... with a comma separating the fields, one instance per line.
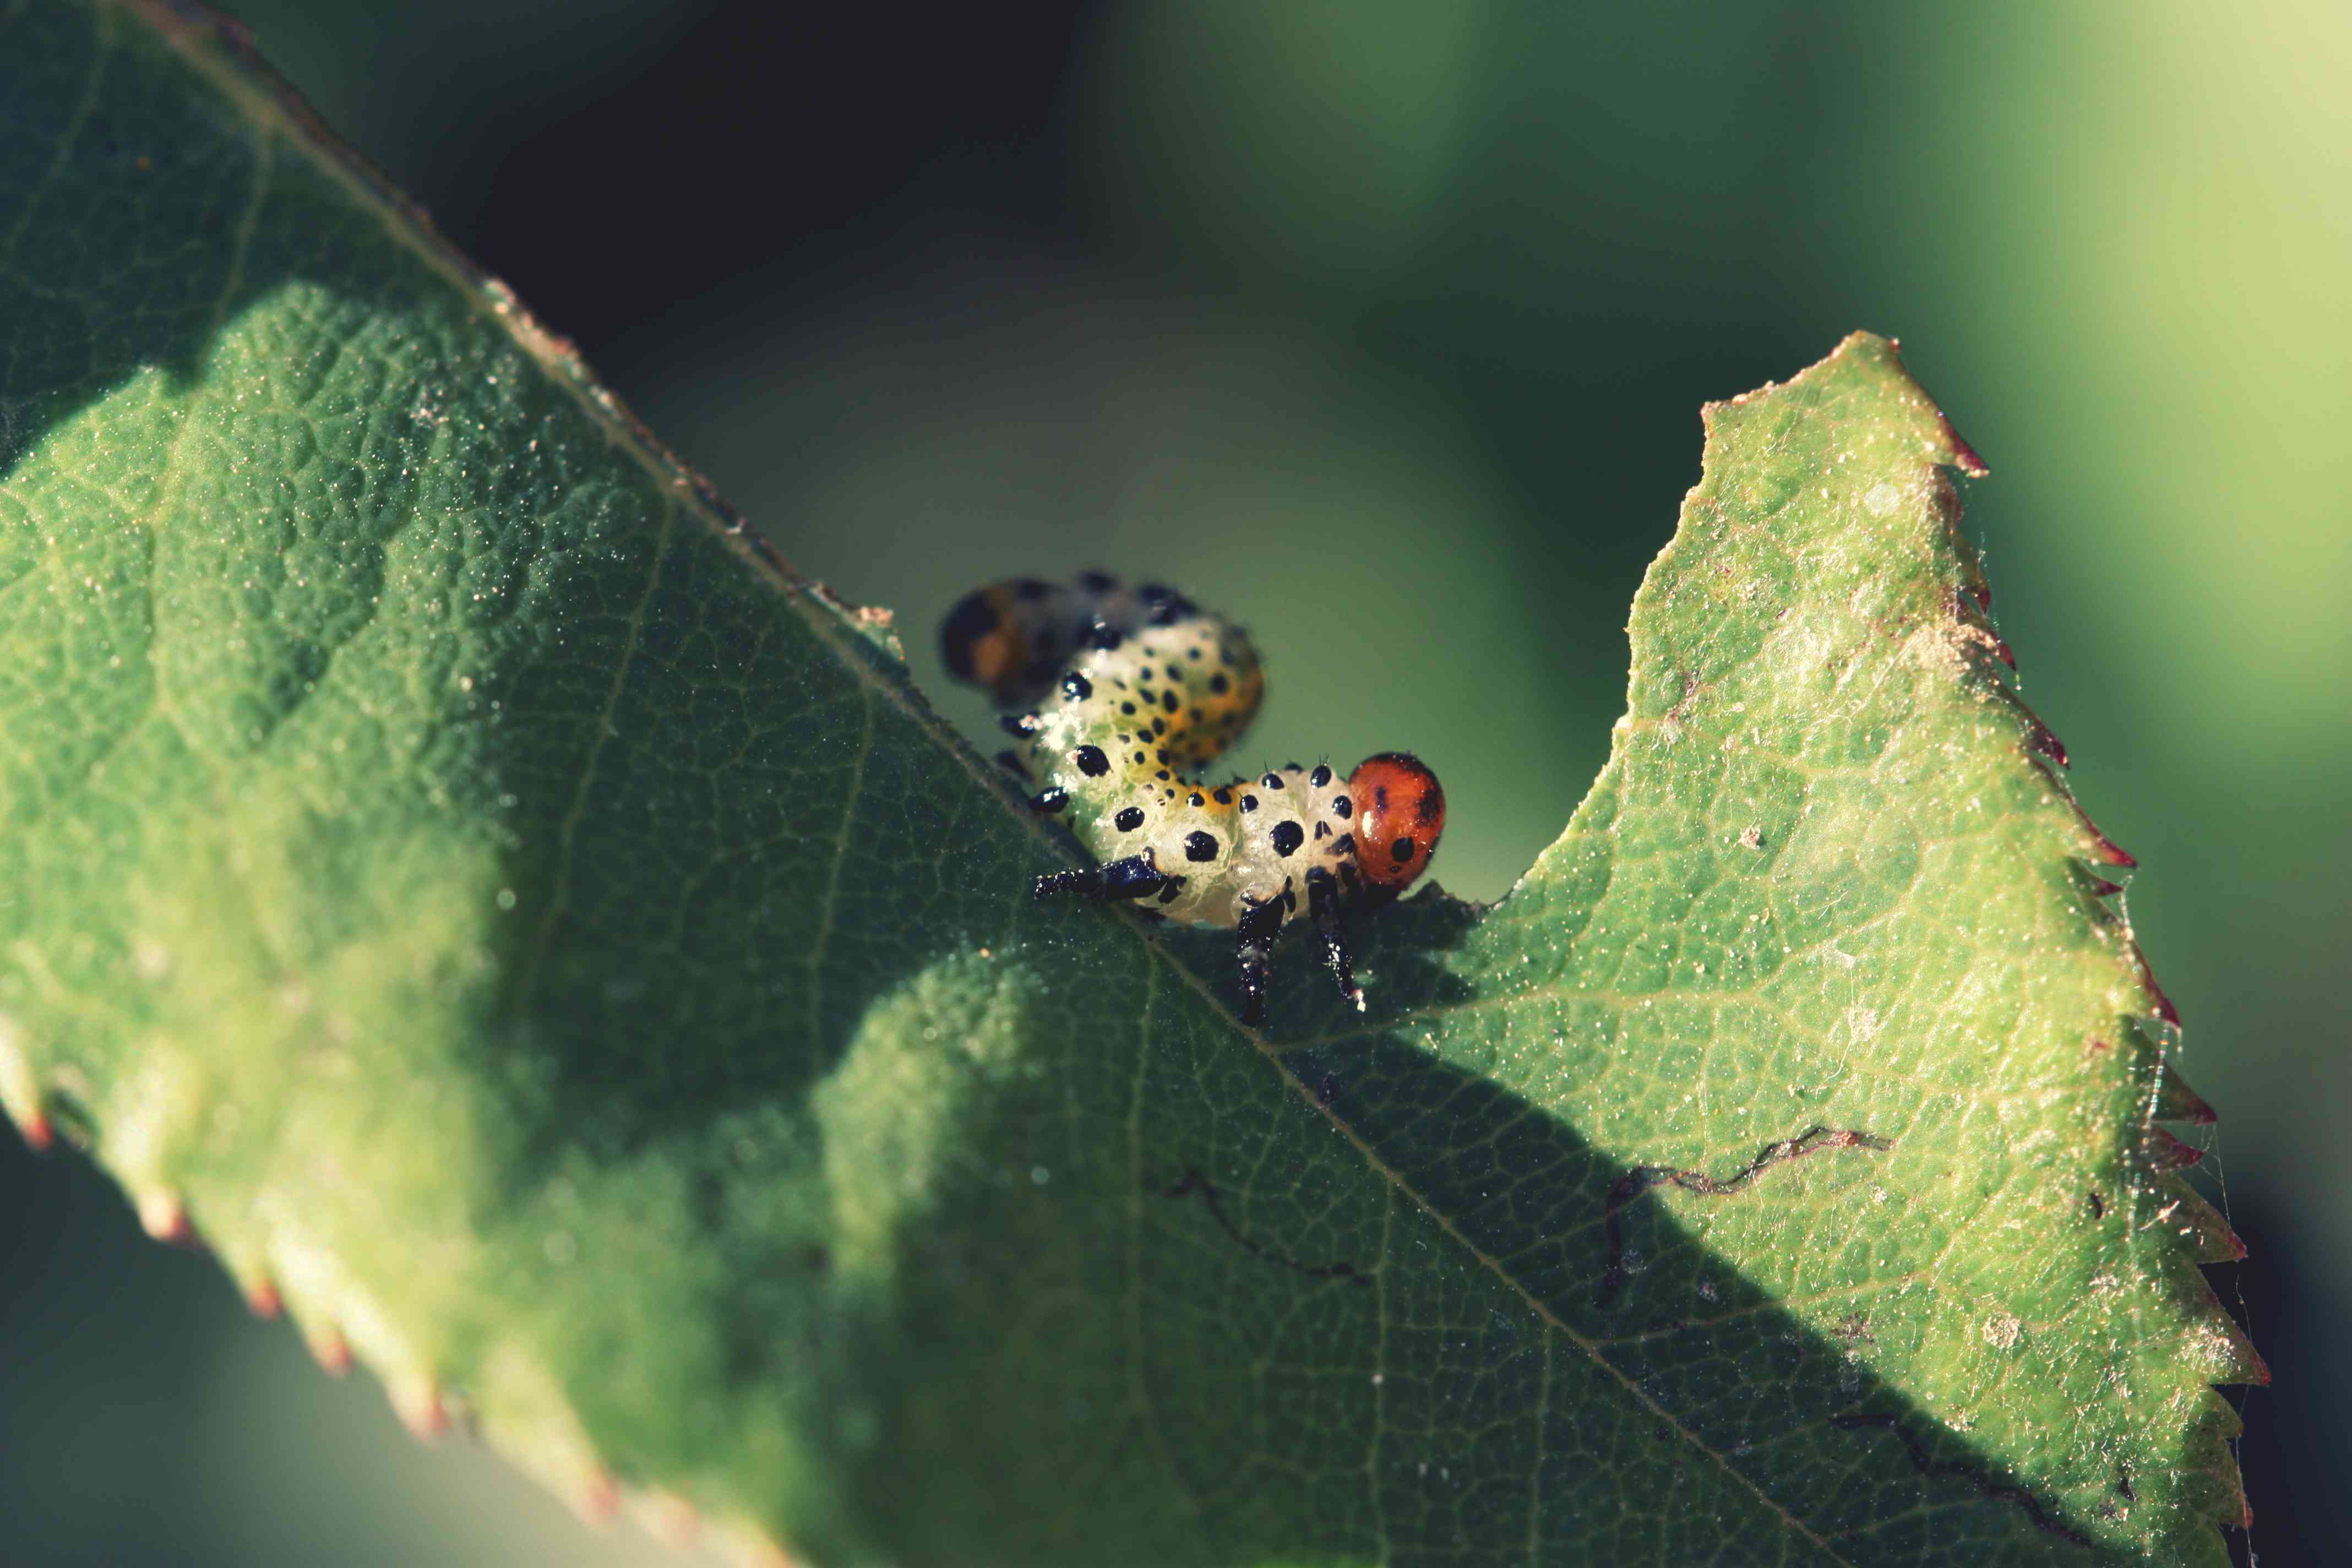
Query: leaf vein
x=560, y=894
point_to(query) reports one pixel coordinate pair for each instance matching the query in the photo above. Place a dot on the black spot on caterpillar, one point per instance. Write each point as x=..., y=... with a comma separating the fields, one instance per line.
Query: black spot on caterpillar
x=1245, y=850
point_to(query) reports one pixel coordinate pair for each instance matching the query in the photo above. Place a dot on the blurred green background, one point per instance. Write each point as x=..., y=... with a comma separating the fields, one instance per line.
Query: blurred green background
x=1384, y=327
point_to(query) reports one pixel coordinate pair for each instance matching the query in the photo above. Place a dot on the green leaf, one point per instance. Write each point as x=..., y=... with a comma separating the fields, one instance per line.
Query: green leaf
x=553, y=949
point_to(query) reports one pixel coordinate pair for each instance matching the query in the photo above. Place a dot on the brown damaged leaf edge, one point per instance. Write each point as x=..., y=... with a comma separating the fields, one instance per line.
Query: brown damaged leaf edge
x=2155, y=1152
x=2171, y=1097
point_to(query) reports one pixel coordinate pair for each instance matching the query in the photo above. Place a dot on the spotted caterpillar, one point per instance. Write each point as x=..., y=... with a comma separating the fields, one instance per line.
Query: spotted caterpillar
x=1116, y=693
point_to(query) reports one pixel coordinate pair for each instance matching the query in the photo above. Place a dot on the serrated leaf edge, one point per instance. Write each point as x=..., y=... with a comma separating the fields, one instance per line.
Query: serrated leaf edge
x=222, y=50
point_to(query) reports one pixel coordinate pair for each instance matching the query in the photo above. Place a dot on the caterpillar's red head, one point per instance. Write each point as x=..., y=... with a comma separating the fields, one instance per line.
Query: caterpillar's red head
x=1400, y=812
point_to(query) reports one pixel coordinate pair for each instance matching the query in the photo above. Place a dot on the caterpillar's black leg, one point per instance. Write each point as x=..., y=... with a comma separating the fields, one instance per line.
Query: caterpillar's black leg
x=1254, y=950
x=1046, y=802
x=1330, y=926
x=1133, y=878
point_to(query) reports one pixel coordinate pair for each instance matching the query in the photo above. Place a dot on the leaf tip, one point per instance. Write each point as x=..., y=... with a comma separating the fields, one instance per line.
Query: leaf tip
x=35, y=1128
x=2104, y=849
x=164, y=1218
x=20, y=1090
x=667, y=1517
x=2157, y=1001
x=419, y=1404
x=2176, y=1102
x=2222, y=1349
x=595, y=1496
x=1955, y=451
x=328, y=1347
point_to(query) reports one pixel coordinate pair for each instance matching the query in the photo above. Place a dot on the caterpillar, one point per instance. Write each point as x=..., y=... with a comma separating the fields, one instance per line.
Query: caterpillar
x=1116, y=693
